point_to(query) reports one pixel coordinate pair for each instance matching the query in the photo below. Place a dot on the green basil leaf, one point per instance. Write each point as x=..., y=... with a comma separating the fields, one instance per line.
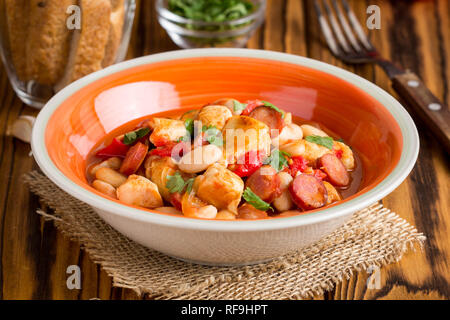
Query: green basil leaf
x=189, y=124
x=213, y=135
x=271, y=106
x=239, y=106
x=133, y=136
x=256, y=201
x=327, y=142
x=277, y=160
x=189, y=185
x=175, y=183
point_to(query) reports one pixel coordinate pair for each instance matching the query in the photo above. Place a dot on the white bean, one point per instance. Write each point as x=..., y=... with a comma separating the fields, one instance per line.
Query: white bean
x=200, y=159
x=309, y=130
x=295, y=149
x=110, y=176
x=284, y=202
x=290, y=133
x=105, y=188
x=112, y=163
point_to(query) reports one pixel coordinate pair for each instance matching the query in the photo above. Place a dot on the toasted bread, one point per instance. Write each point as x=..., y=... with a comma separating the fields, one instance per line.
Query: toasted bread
x=115, y=32
x=17, y=17
x=88, y=44
x=48, y=40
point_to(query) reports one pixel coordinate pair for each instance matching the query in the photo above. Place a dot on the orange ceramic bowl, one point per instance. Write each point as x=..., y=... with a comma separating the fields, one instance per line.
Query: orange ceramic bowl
x=368, y=118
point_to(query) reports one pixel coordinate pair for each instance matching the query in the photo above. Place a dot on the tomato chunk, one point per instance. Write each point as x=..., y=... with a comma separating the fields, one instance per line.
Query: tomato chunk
x=298, y=164
x=134, y=158
x=248, y=163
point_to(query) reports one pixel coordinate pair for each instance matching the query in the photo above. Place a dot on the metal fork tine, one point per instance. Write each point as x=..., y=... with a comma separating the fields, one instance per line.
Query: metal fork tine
x=346, y=26
x=336, y=28
x=357, y=26
x=326, y=30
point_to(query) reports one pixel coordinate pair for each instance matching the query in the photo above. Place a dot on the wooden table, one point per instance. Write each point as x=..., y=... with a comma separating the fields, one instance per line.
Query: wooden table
x=416, y=34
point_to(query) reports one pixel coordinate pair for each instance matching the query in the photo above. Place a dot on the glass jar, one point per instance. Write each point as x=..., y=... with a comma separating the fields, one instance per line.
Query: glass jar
x=47, y=44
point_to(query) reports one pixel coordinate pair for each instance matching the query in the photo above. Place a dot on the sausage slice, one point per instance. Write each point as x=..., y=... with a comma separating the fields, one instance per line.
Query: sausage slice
x=308, y=192
x=265, y=183
x=269, y=116
x=134, y=158
x=335, y=170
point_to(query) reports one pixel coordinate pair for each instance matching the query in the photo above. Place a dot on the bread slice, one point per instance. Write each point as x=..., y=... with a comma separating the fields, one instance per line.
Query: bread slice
x=87, y=49
x=48, y=40
x=17, y=20
x=115, y=32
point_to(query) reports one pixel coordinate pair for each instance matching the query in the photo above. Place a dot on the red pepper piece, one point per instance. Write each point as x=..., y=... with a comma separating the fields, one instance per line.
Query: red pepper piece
x=249, y=163
x=166, y=150
x=298, y=164
x=115, y=149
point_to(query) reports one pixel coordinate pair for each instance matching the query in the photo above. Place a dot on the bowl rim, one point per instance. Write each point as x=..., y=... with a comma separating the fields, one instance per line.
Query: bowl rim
x=406, y=163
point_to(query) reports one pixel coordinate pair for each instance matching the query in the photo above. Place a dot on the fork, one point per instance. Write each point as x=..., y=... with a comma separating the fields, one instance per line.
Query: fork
x=348, y=42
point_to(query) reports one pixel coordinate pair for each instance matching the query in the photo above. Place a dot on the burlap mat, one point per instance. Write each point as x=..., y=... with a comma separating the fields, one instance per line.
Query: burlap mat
x=374, y=236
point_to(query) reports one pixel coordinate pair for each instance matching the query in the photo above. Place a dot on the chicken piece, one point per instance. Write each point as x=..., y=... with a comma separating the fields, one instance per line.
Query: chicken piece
x=140, y=191
x=157, y=169
x=243, y=134
x=220, y=187
x=193, y=207
x=166, y=130
x=333, y=194
x=215, y=116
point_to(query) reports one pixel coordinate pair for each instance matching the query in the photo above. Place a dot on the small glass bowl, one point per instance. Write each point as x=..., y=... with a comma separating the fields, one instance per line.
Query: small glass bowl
x=187, y=33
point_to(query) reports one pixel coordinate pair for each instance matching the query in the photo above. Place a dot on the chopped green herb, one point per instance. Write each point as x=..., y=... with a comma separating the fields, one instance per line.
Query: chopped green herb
x=256, y=201
x=277, y=160
x=189, y=185
x=133, y=136
x=211, y=10
x=340, y=140
x=327, y=142
x=239, y=106
x=272, y=106
x=189, y=124
x=213, y=135
x=175, y=183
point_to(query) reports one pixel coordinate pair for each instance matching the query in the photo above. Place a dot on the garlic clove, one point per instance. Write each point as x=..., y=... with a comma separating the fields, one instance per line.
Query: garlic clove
x=21, y=128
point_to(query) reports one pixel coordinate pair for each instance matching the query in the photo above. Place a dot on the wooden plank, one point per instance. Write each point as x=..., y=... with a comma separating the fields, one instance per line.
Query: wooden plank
x=423, y=198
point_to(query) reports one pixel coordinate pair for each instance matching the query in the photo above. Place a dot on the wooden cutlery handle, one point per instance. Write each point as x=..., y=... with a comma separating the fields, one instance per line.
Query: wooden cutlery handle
x=425, y=105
